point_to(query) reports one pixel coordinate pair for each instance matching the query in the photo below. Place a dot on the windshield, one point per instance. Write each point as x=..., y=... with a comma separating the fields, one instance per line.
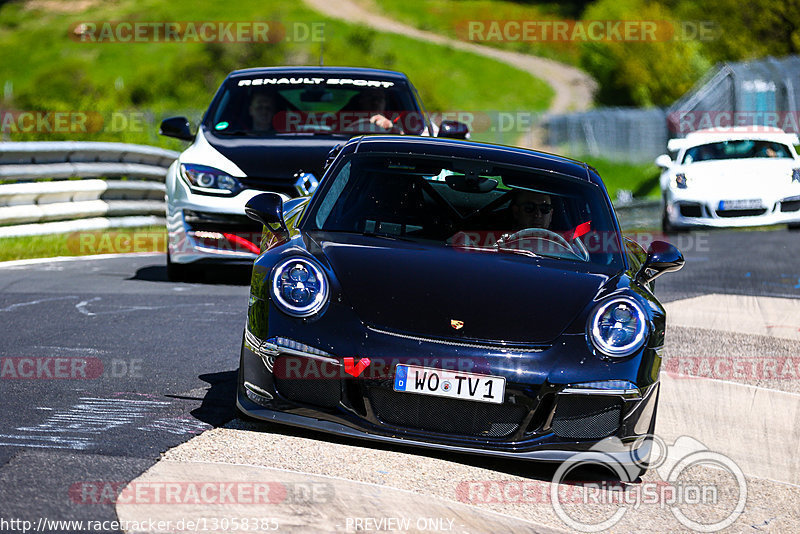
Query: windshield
x=275, y=106
x=746, y=148
x=469, y=205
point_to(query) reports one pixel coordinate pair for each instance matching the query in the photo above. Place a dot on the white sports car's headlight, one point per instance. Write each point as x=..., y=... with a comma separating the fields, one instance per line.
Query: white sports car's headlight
x=617, y=327
x=209, y=180
x=796, y=175
x=299, y=287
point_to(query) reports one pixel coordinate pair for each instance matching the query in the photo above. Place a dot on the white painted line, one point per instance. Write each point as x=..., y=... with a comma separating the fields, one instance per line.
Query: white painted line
x=36, y=261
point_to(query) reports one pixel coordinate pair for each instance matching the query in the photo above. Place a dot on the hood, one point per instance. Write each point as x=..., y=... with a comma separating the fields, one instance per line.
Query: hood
x=419, y=289
x=276, y=157
x=742, y=176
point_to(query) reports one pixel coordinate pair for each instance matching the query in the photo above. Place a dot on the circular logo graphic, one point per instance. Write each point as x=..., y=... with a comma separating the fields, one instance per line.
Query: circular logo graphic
x=446, y=386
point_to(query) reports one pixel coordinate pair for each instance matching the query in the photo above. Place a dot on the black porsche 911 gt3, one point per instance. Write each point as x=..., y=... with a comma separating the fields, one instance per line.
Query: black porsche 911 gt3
x=456, y=295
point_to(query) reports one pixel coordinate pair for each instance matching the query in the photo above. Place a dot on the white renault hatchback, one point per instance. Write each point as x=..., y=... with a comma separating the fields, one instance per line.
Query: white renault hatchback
x=731, y=177
x=272, y=130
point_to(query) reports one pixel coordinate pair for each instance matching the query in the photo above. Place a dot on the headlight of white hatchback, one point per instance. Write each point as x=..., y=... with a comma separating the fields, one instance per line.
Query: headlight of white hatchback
x=208, y=180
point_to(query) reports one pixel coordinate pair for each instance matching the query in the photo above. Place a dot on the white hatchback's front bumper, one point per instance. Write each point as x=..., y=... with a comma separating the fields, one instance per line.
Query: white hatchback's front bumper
x=202, y=227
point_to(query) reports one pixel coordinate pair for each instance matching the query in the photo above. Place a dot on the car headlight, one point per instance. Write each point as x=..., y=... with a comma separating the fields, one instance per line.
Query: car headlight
x=209, y=180
x=796, y=175
x=617, y=327
x=681, y=182
x=299, y=287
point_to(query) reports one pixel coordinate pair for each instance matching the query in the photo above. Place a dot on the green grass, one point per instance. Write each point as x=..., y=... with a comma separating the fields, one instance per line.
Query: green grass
x=451, y=18
x=641, y=179
x=111, y=241
x=57, y=72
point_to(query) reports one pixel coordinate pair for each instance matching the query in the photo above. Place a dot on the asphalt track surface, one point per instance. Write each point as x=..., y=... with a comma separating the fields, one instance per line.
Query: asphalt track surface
x=156, y=360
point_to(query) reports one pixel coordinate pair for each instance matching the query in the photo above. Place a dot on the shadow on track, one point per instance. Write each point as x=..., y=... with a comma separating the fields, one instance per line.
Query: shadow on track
x=238, y=275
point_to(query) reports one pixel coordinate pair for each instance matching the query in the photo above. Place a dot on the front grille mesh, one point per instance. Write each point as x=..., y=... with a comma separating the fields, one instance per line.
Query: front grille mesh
x=788, y=206
x=586, y=416
x=742, y=213
x=691, y=210
x=445, y=416
x=298, y=380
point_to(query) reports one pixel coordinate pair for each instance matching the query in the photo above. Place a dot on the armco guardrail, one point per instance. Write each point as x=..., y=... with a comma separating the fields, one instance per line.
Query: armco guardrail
x=639, y=214
x=41, y=207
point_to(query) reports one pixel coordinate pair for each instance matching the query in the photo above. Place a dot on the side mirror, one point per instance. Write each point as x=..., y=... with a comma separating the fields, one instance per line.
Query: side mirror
x=177, y=127
x=453, y=130
x=662, y=257
x=664, y=161
x=267, y=208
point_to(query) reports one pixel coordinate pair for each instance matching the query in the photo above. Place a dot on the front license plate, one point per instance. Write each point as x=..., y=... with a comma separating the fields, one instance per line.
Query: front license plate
x=745, y=204
x=453, y=384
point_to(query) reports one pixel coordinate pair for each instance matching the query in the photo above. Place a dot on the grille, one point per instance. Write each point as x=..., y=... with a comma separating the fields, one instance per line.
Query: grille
x=790, y=205
x=586, y=416
x=220, y=222
x=446, y=416
x=316, y=389
x=742, y=213
x=691, y=210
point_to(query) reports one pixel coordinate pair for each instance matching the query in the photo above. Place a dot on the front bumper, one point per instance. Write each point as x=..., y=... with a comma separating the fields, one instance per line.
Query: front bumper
x=539, y=420
x=685, y=211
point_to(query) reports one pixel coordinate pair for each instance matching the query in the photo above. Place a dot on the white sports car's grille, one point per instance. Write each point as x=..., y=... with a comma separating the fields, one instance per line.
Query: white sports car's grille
x=741, y=213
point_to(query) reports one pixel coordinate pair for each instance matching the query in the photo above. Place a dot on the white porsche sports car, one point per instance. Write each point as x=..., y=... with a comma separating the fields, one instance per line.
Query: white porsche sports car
x=731, y=177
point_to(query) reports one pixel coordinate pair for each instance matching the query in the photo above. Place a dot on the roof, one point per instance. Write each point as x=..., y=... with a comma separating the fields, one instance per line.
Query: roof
x=714, y=135
x=507, y=155
x=322, y=71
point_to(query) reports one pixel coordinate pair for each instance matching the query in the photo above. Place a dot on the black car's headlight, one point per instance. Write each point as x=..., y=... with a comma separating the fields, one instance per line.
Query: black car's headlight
x=299, y=287
x=209, y=180
x=617, y=327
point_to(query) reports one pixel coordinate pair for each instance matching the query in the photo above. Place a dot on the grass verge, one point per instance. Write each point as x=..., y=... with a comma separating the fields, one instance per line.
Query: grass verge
x=640, y=179
x=142, y=82
x=85, y=243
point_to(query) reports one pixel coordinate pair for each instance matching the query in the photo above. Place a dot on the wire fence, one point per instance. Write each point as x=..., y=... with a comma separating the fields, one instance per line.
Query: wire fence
x=617, y=134
x=765, y=92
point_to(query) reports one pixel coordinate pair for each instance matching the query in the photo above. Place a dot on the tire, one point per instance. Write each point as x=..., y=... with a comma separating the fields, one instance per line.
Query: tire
x=179, y=272
x=242, y=416
x=635, y=471
x=666, y=226
x=794, y=227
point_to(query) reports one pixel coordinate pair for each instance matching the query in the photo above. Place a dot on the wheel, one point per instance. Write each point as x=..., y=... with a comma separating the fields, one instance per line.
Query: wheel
x=178, y=272
x=793, y=226
x=666, y=226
